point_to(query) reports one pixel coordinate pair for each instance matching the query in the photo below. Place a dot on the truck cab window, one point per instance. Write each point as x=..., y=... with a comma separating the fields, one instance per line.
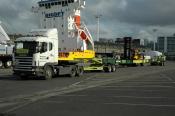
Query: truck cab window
x=43, y=47
x=50, y=46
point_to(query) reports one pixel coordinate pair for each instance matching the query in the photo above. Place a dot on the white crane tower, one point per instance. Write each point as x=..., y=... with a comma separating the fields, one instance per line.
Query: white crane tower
x=65, y=15
x=3, y=35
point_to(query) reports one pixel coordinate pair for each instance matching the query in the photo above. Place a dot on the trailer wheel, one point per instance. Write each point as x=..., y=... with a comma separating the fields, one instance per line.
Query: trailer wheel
x=48, y=73
x=1, y=64
x=141, y=64
x=113, y=68
x=73, y=72
x=108, y=68
x=8, y=64
x=80, y=71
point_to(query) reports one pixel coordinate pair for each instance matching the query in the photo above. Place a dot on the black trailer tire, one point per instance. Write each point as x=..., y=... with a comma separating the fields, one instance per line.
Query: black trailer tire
x=73, y=72
x=1, y=64
x=113, y=68
x=8, y=64
x=48, y=73
x=108, y=68
x=80, y=71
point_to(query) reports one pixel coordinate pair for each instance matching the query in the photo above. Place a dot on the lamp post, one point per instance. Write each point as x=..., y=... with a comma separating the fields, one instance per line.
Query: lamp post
x=154, y=30
x=98, y=25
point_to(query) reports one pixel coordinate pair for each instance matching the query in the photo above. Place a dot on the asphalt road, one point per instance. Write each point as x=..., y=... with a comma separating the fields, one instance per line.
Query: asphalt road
x=132, y=91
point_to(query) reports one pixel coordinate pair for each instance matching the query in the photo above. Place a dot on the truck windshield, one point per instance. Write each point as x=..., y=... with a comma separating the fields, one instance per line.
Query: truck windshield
x=26, y=49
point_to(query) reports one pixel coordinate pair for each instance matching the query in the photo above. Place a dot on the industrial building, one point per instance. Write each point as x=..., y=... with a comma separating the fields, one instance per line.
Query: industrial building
x=167, y=46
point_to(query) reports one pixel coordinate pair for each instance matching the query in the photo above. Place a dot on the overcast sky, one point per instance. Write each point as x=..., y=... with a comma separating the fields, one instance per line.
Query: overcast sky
x=137, y=18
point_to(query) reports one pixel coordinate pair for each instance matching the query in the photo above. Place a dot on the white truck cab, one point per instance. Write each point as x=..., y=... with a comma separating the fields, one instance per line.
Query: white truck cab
x=32, y=53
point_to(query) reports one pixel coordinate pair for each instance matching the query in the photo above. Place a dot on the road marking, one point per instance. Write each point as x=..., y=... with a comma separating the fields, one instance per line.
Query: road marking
x=146, y=82
x=170, y=79
x=7, y=104
x=133, y=90
x=149, y=105
x=149, y=86
x=142, y=97
x=72, y=95
x=55, y=102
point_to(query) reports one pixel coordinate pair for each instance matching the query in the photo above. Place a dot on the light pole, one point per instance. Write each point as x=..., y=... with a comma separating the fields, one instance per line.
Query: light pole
x=154, y=30
x=98, y=25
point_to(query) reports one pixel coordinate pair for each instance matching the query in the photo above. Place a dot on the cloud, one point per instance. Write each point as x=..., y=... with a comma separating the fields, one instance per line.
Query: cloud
x=119, y=17
x=17, y=15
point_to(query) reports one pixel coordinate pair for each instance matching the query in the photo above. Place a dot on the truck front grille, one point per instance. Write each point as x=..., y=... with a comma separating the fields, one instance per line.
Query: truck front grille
x=23, y=63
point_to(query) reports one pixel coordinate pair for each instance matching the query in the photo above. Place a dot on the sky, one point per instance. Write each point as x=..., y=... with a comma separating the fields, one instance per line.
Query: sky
x=143, y=19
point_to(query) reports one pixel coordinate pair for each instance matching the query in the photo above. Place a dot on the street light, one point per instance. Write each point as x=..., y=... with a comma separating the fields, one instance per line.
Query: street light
x=155, y=30
x=98, y=25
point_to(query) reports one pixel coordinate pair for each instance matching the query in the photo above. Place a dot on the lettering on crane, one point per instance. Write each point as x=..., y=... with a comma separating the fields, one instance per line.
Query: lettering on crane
x=55, y=14
x=2, y=50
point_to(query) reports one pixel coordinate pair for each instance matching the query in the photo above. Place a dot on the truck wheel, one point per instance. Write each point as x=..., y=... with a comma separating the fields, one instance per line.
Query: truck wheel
x=48, y=73
x=1, y=64
x=80, y=71
x=108, y=68
x=113, y=68
x=73, y=72
x=8, y=64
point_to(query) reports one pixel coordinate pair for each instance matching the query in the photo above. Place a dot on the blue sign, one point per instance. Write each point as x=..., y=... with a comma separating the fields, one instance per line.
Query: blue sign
x=2, y=50
x=55, y=14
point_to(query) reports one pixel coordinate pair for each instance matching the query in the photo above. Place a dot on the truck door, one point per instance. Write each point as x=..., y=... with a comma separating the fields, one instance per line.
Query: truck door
x=43, y=58
x=51, y=55
x=46, y=54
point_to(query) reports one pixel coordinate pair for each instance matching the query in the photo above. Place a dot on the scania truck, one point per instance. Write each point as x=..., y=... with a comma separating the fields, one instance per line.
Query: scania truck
x=59, y=47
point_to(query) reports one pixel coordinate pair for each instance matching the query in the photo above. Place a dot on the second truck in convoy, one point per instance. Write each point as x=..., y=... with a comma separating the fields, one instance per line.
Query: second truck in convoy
x=59, y=47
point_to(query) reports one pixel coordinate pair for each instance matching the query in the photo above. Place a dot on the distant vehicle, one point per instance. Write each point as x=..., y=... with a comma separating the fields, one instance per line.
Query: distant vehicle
x=157, y=58
x=5, y=49
x=131, y=56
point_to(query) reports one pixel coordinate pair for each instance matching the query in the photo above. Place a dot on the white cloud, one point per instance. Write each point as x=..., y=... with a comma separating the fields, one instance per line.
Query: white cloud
x=119, y=17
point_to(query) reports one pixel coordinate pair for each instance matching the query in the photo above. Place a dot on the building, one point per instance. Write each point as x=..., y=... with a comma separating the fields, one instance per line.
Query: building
x=136, y=42
x=106, y=40
x=167, y=46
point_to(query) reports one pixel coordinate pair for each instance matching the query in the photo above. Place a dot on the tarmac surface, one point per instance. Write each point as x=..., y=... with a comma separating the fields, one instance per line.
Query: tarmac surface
x=133, y=91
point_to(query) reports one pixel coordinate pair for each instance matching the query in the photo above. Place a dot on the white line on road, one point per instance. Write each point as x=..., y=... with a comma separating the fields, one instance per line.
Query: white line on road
x=148, y=86
x=132, y=90
x=149, y=105
x=136, y=97
x=169, y=78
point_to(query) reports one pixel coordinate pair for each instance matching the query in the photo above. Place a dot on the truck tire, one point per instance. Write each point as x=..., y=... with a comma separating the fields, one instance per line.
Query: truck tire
x=108, y=68
x=73, y=72
x=113, y=68
x=80, y=71
x=48, y=73
x=8, y=64
x=1, y=64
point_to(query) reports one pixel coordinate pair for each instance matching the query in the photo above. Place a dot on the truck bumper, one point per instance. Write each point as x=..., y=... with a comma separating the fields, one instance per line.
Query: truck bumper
x=38, y=72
